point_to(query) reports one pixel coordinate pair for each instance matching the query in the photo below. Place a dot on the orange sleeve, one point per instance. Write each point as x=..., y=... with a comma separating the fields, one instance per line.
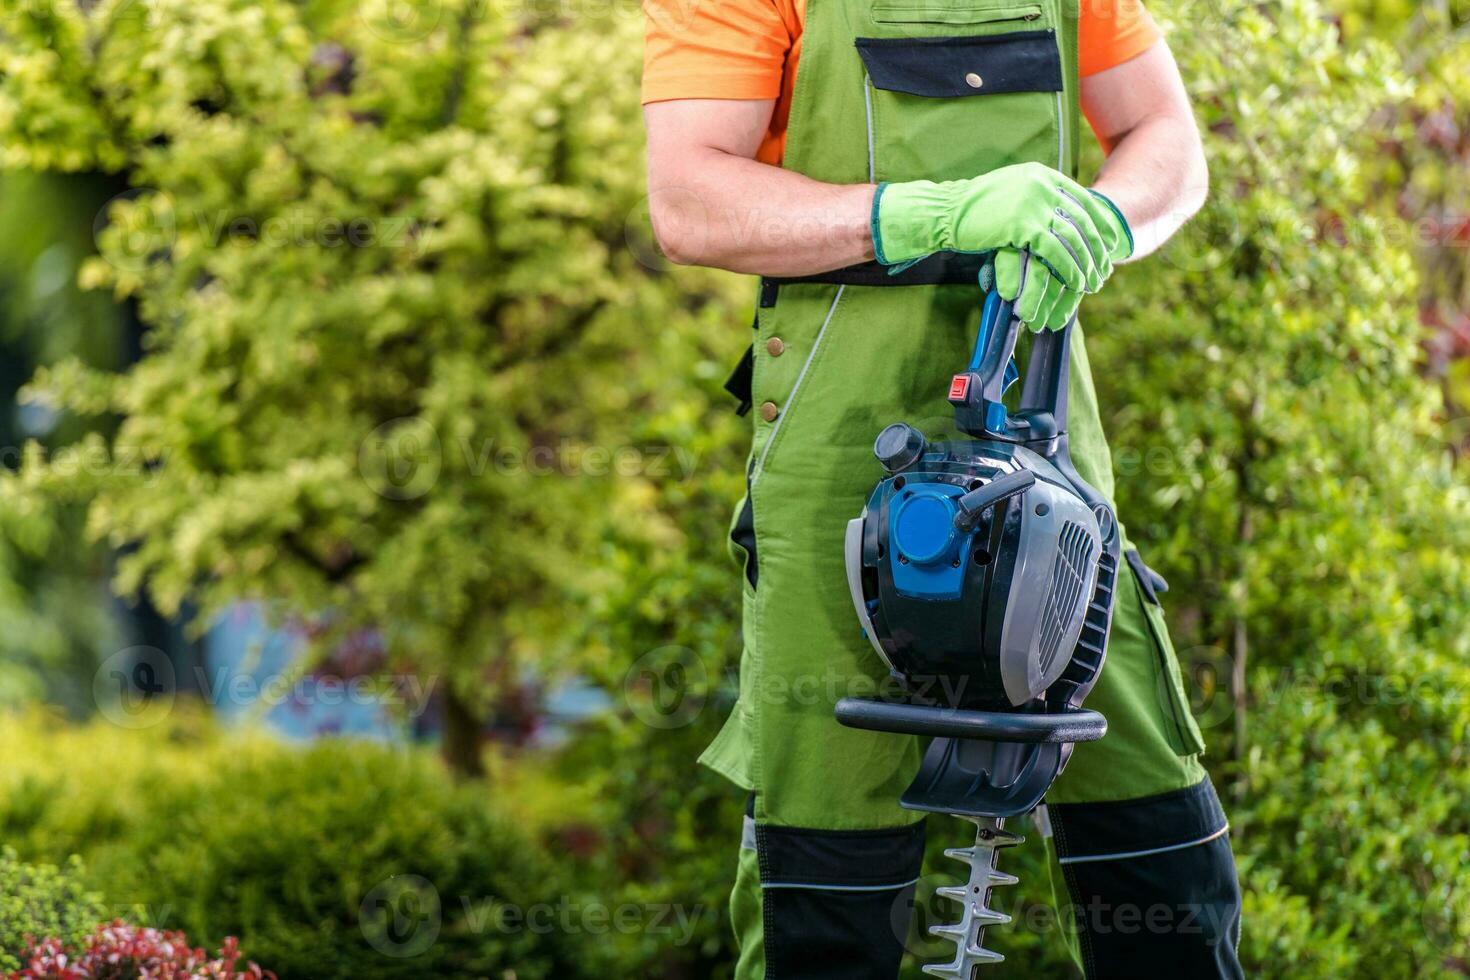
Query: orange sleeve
x=1110, y=32
x=715, y=49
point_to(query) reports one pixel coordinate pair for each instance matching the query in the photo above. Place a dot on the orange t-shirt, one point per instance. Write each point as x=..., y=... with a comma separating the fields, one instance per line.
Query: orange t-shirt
x=748, y=49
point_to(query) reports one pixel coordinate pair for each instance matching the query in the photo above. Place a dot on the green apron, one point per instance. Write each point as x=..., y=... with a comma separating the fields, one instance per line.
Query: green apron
x=836, y=363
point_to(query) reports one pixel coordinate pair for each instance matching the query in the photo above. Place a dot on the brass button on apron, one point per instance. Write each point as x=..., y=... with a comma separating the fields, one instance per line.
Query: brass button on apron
x=973, y=80
x=769, y=411
x=775, y=347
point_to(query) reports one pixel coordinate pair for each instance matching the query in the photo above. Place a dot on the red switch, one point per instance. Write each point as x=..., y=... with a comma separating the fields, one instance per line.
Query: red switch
x=959, y=388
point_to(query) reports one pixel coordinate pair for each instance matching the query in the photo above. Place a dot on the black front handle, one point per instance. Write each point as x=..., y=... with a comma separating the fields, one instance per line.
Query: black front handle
x=1076, y=725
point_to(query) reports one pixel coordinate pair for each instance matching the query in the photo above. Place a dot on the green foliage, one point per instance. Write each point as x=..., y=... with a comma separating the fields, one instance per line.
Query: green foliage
x=401, y=351
x=39, y=901
x=1283, y=463
x=1425, y=153
x=54, y=620
x=306, y=854
x=363, y=429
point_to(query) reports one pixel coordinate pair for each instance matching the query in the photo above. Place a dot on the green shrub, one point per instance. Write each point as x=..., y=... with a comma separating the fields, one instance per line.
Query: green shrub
x=1283, y=462
x=343, y=859
x=38, y=901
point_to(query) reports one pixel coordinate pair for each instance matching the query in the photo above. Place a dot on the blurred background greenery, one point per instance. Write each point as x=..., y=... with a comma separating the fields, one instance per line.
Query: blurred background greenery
x=336, y=356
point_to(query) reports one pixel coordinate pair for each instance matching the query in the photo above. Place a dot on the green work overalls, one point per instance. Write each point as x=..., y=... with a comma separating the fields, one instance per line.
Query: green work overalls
x=836, y=361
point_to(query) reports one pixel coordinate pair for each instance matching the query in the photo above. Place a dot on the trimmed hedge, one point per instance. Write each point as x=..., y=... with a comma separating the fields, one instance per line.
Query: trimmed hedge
x=340, y=860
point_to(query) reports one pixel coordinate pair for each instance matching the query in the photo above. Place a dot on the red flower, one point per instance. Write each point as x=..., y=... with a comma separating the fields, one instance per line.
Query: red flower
x=119, y=951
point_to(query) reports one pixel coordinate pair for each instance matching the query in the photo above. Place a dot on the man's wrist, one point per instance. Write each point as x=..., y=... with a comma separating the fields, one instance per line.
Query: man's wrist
x=873, y=223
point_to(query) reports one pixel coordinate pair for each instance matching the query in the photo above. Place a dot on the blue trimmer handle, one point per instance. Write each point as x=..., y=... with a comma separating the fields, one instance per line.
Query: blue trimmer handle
x=992, y=313
x=977, y=392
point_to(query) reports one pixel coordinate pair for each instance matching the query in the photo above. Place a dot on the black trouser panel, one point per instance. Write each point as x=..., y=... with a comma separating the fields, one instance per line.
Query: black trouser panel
x=1169, y=913
x=837, y=903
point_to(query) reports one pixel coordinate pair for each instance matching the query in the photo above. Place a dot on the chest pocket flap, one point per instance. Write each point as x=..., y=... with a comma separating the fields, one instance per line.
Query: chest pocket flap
x=954, y=67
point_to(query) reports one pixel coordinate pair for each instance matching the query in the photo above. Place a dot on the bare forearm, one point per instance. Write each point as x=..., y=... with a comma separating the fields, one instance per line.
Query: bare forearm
x=721, y=210
x=1156, y=173
x=1156, y=191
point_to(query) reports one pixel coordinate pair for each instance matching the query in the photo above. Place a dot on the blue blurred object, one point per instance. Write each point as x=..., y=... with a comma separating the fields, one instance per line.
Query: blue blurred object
x=252, y=672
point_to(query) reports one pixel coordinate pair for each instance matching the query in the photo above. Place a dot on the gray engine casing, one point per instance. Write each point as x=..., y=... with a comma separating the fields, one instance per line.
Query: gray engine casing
x=1056, y=571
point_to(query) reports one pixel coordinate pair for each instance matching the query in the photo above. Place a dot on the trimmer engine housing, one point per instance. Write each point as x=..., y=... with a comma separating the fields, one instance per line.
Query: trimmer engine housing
x=982, y=570
x=977, y=608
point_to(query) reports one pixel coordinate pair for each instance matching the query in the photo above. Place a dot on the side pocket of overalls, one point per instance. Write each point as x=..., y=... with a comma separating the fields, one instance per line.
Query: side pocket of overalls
x=742, y=540
x=1186, y=738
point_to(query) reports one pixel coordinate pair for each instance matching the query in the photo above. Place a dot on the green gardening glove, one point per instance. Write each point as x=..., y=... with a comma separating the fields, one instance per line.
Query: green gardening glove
x=1054, y=240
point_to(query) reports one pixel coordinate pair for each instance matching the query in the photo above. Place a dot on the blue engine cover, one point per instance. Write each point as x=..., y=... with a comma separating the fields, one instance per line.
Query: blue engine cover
x=925, y=548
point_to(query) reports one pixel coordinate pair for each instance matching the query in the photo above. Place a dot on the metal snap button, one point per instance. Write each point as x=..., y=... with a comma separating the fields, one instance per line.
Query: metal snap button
x=769, y=411
x=973, y=80
x=775, y=347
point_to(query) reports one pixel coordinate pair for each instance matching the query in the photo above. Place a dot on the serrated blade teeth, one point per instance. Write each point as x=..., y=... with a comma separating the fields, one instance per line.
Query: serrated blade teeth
x=955, y=933
x=963, y=964
x=968, y=933
x=979, y=954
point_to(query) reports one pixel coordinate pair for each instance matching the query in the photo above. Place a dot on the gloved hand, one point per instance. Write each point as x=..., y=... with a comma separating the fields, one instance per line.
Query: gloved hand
x=1054, y=240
